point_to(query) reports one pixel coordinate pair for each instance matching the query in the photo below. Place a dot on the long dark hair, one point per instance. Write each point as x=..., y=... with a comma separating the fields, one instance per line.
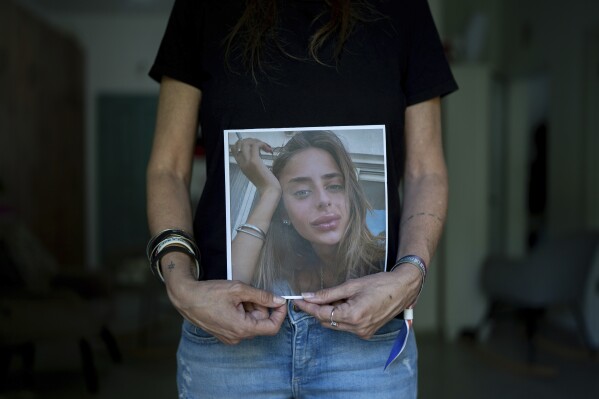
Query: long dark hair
x=257, y=28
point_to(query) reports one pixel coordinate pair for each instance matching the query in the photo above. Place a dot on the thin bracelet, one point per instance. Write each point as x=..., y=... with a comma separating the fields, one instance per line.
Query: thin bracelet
x=239, y=229
x=255, y=228
x=257, y=232
x=252, y=227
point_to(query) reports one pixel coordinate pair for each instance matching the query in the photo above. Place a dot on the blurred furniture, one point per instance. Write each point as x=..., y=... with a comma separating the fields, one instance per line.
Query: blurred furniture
x=40, y=305
x=553, y=274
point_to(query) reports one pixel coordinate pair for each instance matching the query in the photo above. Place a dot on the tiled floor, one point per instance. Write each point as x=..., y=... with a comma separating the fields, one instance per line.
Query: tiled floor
x=463, y=369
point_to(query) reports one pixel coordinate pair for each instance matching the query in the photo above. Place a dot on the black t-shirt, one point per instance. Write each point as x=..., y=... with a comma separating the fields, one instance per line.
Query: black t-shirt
x=392, y=61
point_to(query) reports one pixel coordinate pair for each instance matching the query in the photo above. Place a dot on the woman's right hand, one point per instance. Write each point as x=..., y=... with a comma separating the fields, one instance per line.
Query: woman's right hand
x=229, y=310
x=247, y=154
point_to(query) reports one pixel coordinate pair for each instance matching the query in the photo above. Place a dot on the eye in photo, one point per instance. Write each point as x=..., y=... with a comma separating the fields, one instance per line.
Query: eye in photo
x=306, y=207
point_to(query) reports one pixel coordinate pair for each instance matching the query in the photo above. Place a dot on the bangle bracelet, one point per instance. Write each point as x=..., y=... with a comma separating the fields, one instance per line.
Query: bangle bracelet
x=252, y=230
x=413, y=260
x=174, y=248
x=164, y=234
x=170, y=240
x=250, y=233
x=419, y=263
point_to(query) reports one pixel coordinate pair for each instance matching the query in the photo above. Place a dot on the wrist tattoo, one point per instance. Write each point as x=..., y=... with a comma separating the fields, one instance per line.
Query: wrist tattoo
x=414, y=215
x=171, y=266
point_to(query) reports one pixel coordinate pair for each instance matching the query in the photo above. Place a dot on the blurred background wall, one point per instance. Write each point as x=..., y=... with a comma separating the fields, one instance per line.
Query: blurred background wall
x=521, y=135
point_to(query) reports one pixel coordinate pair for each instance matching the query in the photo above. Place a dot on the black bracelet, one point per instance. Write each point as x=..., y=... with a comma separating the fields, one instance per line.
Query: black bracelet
x=153, y=242
x=174, y=239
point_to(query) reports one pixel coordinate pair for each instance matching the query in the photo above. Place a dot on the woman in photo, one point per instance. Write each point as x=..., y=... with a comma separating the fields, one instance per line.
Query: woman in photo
x=315, y=235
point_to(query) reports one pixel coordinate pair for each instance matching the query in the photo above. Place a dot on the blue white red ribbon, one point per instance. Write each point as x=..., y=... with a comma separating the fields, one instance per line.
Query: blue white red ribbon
x=402, y=337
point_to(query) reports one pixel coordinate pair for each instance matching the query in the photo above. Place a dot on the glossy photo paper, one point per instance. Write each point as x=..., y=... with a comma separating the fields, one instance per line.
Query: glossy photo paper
x=306, y=207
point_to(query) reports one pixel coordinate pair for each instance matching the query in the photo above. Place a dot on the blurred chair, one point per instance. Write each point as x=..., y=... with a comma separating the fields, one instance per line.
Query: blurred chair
x=553, y=274
x=39, y=304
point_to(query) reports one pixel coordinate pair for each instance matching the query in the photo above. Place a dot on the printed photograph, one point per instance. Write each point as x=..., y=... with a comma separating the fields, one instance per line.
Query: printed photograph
x=306, y=207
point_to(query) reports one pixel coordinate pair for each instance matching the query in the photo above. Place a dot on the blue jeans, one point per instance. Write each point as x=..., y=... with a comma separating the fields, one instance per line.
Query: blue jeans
x=304, y=360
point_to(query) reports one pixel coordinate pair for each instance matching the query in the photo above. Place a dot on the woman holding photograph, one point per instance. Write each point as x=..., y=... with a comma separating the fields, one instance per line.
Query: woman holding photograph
x=263, y=64
x=315, y=236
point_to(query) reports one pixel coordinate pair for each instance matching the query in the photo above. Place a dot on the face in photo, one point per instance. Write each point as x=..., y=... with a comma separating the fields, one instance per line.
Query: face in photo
x=315, y=198
x=306, y=206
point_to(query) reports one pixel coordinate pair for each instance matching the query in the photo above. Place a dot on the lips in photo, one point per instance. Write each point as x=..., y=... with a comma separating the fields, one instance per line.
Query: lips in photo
x=326, y=222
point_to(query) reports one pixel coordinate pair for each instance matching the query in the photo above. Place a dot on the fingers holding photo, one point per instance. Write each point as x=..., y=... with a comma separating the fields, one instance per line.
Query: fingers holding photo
x=360, y=306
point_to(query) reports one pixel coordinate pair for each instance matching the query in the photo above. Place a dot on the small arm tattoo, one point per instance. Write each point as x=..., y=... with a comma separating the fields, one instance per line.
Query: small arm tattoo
x=171, y=266
x=432, y=215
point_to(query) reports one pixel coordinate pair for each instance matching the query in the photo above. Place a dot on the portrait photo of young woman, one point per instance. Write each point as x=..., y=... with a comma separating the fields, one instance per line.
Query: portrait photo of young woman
x=307, y=207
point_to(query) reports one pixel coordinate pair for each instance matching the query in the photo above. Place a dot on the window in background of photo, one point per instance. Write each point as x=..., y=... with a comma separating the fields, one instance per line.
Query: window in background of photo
x=373, y=183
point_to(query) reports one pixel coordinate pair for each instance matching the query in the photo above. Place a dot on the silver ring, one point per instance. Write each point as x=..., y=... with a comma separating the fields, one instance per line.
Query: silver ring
x=333, y=322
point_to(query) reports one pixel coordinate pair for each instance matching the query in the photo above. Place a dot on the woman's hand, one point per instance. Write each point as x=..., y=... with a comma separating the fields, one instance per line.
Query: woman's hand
x=365, y=304
x=247, y=155
x=229, y=310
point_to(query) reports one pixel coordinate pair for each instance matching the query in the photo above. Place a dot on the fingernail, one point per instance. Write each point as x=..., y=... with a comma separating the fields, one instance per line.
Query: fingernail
x=280, y=300
x=308, y=295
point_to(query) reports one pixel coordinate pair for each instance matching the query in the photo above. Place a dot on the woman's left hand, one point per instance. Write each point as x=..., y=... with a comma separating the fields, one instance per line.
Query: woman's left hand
x=365, y=304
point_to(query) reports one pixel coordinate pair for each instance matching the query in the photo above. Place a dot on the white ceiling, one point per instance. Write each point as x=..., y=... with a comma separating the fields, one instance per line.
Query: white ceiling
x=101, y=6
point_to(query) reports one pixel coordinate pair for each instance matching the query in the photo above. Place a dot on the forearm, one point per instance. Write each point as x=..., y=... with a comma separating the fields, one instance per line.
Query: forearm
x=168, y=201
x=425, y=185
x=169, y=207
x=169, y=169
x=245, y=248
x=423, y=214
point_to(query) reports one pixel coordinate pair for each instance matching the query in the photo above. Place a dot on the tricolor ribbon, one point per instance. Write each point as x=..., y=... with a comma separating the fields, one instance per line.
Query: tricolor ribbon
x=402, y=337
